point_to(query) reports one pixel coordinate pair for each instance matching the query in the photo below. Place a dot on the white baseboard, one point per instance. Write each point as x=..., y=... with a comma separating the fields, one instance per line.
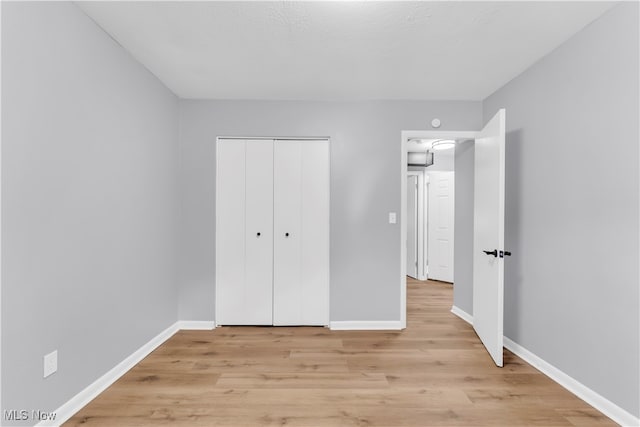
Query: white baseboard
x=462, y=314
x=594, y=399
x=73, y=405
x=196, y=325
x=365, y=325
x=76, y=403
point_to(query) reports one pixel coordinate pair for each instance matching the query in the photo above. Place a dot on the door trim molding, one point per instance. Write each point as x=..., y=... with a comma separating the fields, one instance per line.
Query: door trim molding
x=599, y=402
x=278, y=138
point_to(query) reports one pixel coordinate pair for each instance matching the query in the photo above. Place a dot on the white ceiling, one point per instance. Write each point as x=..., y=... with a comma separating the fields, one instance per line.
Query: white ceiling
x=340, y=50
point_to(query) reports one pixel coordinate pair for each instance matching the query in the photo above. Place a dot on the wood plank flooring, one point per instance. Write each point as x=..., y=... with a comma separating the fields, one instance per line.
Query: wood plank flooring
x=434, y=373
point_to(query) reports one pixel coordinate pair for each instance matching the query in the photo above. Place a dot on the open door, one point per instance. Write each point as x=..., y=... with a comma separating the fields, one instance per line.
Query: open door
x=488, y=236
x=412, y=226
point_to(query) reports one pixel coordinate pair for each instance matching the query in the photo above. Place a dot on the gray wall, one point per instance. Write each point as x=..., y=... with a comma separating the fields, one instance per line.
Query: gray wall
x=89, y=173
x=463, y=238
x=571, y=286
x=365, y=178
x=90, y=181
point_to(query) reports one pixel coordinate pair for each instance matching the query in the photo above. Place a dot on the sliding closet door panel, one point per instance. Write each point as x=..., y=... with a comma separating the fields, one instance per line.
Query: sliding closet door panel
x=259, y=233
x=314, y=251
x=287, y=290
x=230, y=232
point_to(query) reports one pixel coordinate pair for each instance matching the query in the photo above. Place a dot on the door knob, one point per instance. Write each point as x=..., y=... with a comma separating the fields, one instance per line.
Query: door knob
x=493, y=252
x=504, y=254
x=258, y=234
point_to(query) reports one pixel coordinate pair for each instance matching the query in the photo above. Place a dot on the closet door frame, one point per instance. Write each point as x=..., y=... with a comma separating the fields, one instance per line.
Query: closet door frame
x=216, y=243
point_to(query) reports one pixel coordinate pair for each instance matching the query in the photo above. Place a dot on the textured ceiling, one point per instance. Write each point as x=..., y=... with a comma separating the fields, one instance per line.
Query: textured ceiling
x=340, y=50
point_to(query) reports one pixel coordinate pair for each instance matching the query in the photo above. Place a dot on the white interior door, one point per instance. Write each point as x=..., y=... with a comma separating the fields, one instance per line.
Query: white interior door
x=259, y=233
x=301, y=233
x=244, y=209
x=441, y=218
x=412, y=226
x=315, y=232
x=230, y=239
x=488, y=236
x=287, y=273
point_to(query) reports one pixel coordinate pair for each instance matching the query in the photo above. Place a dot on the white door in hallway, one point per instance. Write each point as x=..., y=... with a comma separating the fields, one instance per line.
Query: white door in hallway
x=441, y=218
x=412, y=226
x=488, y=236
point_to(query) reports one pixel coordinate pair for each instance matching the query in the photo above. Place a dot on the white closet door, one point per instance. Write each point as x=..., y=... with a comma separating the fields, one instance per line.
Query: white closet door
x=301, y=233
x=244, y=208
x=259, y=233
x=315, y=233
x=287, y=271
x=230, y=220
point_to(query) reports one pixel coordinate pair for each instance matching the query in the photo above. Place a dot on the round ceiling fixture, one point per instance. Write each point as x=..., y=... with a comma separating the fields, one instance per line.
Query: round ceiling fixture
x=443, y=144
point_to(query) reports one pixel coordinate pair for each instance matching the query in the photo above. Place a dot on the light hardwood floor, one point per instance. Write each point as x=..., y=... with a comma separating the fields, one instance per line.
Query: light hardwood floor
x=434, y=373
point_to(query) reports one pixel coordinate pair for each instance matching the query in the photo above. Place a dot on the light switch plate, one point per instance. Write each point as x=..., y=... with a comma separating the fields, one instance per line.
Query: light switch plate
x=392, y=218
x=50, y=363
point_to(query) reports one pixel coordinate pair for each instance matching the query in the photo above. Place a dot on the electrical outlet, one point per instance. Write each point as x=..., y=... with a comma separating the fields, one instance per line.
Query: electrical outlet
x=50, y=363
x=392, y=217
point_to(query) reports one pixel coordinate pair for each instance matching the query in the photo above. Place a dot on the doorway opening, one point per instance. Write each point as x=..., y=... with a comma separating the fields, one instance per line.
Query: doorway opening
x=427, y=207
x=486, y=262
x=430, y=210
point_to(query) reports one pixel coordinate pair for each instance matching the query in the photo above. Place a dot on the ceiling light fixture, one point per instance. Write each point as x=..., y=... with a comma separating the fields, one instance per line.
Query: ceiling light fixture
x=443, y=144
x=420, y=141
